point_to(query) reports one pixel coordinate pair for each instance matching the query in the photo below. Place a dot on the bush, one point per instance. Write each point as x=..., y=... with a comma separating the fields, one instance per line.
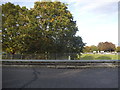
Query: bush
x=103, y=58
x=87, y=58
x=73, y=57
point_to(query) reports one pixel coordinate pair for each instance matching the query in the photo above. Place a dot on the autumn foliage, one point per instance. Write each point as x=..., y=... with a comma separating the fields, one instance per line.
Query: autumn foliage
x=106, y=46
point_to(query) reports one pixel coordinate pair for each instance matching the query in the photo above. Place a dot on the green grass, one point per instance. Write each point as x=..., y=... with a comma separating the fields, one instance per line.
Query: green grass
x=99, y=57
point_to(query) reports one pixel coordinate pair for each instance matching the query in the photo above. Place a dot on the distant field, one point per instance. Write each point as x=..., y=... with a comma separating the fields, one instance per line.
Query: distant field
x=99, y=57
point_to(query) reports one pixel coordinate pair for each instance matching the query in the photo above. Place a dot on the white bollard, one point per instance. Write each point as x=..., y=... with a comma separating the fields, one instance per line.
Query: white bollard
x=69, y=58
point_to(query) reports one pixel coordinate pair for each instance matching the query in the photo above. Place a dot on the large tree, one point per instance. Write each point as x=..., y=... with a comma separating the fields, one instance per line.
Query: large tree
x=106, y=46
x=57, y=26
x=48, y=27
x=10, y=13
x=0, y=28
x=14, y=28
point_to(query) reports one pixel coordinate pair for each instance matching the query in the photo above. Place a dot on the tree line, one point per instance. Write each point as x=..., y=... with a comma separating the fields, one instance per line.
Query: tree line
x=102, y=46
x=48, y=27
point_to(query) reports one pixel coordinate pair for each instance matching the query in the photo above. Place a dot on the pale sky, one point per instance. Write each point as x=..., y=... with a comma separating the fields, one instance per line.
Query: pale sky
x=97, y=20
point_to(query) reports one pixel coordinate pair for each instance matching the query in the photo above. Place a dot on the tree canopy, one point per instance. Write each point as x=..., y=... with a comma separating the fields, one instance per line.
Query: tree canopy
x=48, y=27
x=106, y=46
x=90, y=48
x=118, y=49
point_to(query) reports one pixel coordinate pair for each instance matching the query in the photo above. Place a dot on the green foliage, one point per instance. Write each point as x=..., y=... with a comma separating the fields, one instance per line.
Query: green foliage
x=118, y=49
x=90, y=48
x=93, y=48
x=73, y=56
x=11, y=28
x=58, y=27
x=0, y=17
x=47, y=28
x=86, y=49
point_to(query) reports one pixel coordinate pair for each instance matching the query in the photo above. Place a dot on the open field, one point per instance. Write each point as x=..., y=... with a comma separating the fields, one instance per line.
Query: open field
x=100, y=57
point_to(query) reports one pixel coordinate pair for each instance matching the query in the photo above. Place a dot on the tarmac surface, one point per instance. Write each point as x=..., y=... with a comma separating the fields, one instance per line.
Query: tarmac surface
x=37, y=77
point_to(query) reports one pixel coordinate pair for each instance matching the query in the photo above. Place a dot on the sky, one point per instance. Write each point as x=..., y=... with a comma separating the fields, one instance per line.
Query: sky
x=97, y=20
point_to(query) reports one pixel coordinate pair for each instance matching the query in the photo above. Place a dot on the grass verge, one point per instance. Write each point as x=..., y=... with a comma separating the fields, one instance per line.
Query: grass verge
x=99, y=57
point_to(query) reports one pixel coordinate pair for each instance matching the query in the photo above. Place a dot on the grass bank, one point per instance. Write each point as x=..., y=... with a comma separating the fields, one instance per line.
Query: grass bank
x=99, y=57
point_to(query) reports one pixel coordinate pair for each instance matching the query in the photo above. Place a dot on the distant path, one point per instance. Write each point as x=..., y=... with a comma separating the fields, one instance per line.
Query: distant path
x=36, y=77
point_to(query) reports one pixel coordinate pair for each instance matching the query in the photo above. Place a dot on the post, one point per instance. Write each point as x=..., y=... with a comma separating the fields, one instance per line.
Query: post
x=69, y=58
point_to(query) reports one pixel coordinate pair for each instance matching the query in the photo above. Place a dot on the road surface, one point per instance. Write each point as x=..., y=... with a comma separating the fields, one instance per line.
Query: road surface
x=36, y=77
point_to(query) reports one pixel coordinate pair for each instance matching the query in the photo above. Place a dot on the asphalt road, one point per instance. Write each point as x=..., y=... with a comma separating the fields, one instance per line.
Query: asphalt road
x=36, y=77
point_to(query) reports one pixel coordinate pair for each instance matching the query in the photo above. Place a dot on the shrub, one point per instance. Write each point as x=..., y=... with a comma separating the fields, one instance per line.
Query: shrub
x=73, y=56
